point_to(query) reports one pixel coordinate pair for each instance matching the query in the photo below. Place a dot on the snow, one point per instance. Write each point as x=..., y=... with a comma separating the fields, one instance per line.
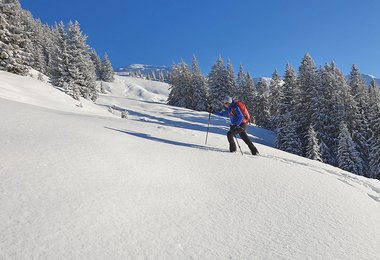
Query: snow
x=32, y=91
x=139, y=89
x=141, y=67
x=137, y=66
x=83, y=183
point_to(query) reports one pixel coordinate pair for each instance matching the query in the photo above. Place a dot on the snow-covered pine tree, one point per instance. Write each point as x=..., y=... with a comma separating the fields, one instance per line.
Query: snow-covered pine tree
x=218, y=89
x=95, y=58
x=360, y=125
x=325, y=152
x=186, y=100
x=348, y=155
x=81, y=68
x=323, y=108
x=107, y=70
x=181, y=94
x=275, y=88
x=375, y=148
x=325, y=111
x=34, y=30
x=175, y=91
x=374, y=118
x=360, y=94
x=55, y=53
x=230, y=81
x=307, y=82
x=286, y=101
x=199, y=87
x=48, y=45
x=374, y=90
x=313, y=149
x=333, y=104
x=373, y=101
x=241, y=83
x=59, y=63
x=261, y=109
x=14, y=57
x=248, y=95
x=344, y=101
x=287, y=137
x=319, y=106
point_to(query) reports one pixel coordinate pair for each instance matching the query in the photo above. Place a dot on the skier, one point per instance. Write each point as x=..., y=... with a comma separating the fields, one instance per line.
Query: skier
x=239, y=118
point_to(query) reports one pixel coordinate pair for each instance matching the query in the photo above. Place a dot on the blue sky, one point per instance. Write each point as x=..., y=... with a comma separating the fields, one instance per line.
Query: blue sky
x=260, y=35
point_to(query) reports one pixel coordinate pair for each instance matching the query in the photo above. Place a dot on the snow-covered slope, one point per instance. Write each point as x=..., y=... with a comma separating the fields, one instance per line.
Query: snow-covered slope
x=368, y=78
x=140, y=89
x=144, y=70
x=32, y=91
x=78, y=184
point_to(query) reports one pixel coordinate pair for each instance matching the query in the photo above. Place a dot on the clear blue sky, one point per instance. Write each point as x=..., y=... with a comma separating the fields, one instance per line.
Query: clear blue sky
x=259, y=34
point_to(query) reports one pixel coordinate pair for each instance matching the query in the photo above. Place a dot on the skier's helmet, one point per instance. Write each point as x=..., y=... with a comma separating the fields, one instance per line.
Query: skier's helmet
x=227, y=99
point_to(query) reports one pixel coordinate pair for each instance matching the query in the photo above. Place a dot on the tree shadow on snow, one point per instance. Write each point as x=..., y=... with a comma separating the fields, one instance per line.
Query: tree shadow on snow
x=187, y=119
x=190, y=121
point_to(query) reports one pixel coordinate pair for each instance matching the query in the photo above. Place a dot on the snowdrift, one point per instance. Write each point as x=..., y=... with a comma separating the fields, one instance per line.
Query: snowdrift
x=82, y=183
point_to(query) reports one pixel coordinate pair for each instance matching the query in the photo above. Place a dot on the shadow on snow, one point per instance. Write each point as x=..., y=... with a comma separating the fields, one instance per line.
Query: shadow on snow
x=166, y=141
x=199, y=122
x=187, y=119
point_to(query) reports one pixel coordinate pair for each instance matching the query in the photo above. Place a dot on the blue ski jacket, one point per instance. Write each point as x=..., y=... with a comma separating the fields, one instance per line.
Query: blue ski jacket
x=236, y=116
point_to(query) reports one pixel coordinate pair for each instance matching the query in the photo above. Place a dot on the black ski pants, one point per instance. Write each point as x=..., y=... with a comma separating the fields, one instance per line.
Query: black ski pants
x=243, y=134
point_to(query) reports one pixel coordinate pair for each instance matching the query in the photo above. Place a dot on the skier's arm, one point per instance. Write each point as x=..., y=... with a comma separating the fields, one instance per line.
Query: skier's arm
x=224, y=113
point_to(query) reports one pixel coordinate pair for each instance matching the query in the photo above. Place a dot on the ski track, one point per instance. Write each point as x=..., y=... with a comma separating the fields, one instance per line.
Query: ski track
x=348, y=179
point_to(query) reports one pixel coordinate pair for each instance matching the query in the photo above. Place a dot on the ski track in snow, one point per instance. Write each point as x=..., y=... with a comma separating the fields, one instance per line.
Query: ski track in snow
x=81, y=183
x=348, y=179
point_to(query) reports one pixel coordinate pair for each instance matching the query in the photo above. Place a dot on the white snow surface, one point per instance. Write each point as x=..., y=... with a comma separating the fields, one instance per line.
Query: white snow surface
x=79, y=182
x=139, y=89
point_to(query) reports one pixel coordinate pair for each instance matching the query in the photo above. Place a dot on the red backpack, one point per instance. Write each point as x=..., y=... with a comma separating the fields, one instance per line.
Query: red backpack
x=244, y=111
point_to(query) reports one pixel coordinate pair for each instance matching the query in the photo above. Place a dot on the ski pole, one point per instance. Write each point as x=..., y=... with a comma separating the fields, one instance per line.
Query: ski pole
x=238, y=145
x=208, y=126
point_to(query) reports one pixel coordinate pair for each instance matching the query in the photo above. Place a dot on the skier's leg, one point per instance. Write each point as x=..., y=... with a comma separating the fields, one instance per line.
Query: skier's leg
x=252, y=147
x=230, y=137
